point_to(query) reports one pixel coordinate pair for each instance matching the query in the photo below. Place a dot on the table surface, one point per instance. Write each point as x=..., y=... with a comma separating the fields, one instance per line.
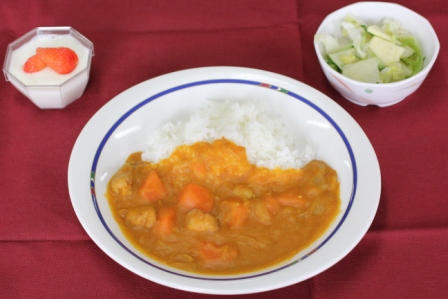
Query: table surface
x=45, y=252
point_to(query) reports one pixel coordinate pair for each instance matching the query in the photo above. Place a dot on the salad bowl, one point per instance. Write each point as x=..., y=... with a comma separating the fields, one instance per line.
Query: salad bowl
x=374, y=13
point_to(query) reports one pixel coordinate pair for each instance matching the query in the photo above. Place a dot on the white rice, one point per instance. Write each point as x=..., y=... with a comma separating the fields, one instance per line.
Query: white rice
x=266, y=138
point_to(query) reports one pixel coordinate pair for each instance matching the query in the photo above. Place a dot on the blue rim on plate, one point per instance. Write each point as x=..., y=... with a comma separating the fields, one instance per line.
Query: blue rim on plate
x=223, y=81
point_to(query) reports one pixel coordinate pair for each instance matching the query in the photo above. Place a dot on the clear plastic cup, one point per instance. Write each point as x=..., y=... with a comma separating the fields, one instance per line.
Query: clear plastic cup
x=47, y=89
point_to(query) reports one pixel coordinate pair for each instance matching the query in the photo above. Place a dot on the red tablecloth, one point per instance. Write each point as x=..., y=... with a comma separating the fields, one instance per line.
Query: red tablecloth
x=44, y=251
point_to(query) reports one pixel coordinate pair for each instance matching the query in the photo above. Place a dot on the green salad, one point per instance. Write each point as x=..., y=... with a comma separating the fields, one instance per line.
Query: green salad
x=382, y=53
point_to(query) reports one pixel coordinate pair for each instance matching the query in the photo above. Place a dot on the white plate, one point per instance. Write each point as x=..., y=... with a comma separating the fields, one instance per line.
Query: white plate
x=123, y=125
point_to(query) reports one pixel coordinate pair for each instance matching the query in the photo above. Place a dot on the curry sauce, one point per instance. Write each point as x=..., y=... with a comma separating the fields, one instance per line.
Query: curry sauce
x=207, y=209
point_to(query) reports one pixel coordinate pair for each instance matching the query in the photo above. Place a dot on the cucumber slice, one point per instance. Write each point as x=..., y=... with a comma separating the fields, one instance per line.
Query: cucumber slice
x=377, y=31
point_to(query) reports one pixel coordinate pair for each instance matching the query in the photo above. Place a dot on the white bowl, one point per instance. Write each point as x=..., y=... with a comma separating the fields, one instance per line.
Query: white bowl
x=373, y=13
x=47, y=89
x=123, y=126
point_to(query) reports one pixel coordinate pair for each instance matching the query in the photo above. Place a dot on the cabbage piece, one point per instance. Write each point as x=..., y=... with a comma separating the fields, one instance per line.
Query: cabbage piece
x=395, y=72
x=329, y=42
x=414, y=61
x=331, y=45
x=394, y=28
x=350, y=18
x=358, y=36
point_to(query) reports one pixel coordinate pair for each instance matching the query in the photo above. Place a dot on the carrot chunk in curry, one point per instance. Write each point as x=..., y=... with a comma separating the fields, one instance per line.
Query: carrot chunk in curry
x=206, y=209
x=195, y=196
x=152, y=188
